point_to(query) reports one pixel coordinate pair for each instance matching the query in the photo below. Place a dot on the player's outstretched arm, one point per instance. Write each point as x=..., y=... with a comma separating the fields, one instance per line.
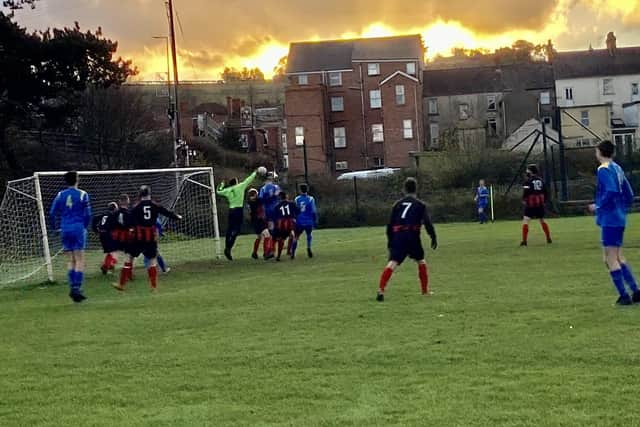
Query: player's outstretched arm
x=244, y=184
x=169, y=214
x=431, y=231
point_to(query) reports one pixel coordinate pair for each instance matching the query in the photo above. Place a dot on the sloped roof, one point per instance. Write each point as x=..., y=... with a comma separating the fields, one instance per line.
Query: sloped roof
x=339, y=54
x=462, y=81
x=597, y=63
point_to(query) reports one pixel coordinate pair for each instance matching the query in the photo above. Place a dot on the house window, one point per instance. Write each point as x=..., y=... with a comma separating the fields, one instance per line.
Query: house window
x=378, y=162
x=339, y=137
x=373, y=69
x=411, y=68
x=547, y=121
x=285, y=161
x=545, y=98
x=303, y=79
x=400, y=98
x=285, y=149
x=337, y=103
x=634, y=89
x=341, y=166
x=375, y=99
x=265, y=140
x=464, y=111
x=607, y=87
x=407, y=129
x=491, y=103
x=568, y=93
x=584, y=117
x=433, y=106
x=335, y=79
x=492, y=126
x=244, y=140
x=378, y=133
x=299, y=136
x=434, y=130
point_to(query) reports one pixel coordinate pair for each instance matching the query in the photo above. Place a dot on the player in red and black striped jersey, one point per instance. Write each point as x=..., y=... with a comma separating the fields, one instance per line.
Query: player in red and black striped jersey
x=258, y=219
x=403, y=236
x=104, y=225
x=143, y=218
x=534, y=199
x=285, y=214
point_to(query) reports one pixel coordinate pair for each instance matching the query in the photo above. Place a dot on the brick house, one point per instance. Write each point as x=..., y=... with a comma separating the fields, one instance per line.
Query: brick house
x=353, y=104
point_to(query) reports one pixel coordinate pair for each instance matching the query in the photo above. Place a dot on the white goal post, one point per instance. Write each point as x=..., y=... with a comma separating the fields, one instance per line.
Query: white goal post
x=30, y=248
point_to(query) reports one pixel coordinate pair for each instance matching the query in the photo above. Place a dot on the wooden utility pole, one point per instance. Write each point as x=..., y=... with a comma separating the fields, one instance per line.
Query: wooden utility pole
x=183, y=157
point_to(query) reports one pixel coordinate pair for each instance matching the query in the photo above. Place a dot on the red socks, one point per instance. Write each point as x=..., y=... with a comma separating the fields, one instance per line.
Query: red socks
x=424, y=278
x=384, y=278
x=267, y=246
x=256, y=245
x=525, y=232
x=126, y=273
x=546, y=230
x=153, y=276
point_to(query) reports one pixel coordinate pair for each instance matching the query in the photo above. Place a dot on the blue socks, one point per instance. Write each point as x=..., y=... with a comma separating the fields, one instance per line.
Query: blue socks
x=627, y=274
x=75, y=279
x=294, y=246
x=161, y=264
x=618, y=282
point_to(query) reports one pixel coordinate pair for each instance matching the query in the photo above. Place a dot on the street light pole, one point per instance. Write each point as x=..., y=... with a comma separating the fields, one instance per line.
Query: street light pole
x=174, y=57
x=173, y=122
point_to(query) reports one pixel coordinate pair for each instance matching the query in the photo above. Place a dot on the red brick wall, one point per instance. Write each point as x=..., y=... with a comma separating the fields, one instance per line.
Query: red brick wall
x=310, y=105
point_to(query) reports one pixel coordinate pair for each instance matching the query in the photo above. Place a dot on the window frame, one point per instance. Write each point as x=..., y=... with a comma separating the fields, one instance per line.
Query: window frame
x=401, y=98
x=342, y=137
x=433, y=102
x=304, y=77
x=492, y=99
x=434, y=141
x=379, y=98
x=494, y=128
x=415, y=68
x=334, y=74
x=568, y=93
x=380, y=132
x=344, y=165
x=376, y=69
x=608, y=83
x=585, y=118
x=407, y=130
x=635, y=89
x=299, y=137
x=545, y=98
x=341, y=98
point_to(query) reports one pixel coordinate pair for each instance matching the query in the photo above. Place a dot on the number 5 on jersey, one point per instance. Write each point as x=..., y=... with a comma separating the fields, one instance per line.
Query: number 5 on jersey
x=147, y=212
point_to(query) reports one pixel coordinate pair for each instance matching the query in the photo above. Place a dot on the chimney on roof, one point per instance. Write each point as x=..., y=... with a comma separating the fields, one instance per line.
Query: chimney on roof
x=590, y=47
x=611, y=43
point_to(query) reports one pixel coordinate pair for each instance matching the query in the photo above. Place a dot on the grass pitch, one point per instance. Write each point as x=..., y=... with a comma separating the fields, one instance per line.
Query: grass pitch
x=512, y=336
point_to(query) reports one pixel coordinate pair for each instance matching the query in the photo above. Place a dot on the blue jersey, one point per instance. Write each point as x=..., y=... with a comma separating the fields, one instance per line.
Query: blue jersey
x=307, y=210
x=482, y=194
x=613, y=196
x=74, y=209
x=269, y=197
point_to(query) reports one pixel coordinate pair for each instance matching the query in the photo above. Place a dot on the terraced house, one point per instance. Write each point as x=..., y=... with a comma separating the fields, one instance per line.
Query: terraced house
x=353, y=104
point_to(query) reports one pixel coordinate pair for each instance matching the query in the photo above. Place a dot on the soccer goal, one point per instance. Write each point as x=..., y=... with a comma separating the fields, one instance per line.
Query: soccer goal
x=30, y=250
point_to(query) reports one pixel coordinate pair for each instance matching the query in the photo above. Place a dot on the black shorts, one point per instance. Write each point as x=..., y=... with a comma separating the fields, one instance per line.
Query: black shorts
x=148, y=249
x=259, y=226
x=535, y=212
x=405, y=246
x=108, y=244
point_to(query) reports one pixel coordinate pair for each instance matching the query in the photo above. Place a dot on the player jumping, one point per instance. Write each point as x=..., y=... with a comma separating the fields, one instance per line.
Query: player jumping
x=144, y=216
x=306, y=219
x=234, y=193
x=258, y=221
x=285, y=214
x=74, y=209
x=482, y=201
x=403, y=236
x=268, y=196
x=104, y=225
x=613, y=198
x=534, y=199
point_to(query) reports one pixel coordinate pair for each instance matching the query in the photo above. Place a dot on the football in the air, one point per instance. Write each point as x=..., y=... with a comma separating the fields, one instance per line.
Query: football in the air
x=262, y=170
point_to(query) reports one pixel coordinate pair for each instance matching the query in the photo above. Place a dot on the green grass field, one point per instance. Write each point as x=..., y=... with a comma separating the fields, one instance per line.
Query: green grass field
x=511, y=336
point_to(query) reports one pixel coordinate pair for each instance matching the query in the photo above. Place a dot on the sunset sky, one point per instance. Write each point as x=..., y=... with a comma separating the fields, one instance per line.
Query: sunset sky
x=256, y=33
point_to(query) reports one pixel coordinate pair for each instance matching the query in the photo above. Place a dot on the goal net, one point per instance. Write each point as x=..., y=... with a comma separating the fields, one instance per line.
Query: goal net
x=30, y=250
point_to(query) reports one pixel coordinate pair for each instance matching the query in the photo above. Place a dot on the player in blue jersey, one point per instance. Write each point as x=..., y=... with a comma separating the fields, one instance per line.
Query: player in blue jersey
x=269, y=197
x=403, y=236
x=482, y=201
x=306, y=219
x=74, y=209
x=614, y=196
